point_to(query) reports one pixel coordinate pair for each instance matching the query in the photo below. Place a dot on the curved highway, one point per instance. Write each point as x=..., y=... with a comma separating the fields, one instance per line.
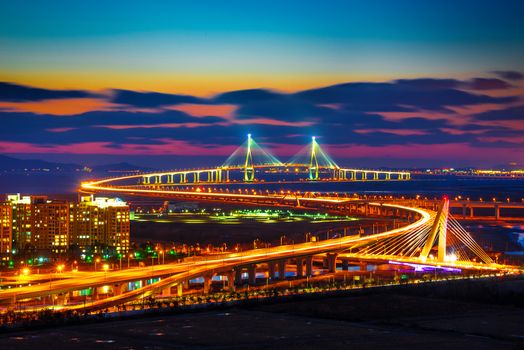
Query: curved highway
x=175, y=273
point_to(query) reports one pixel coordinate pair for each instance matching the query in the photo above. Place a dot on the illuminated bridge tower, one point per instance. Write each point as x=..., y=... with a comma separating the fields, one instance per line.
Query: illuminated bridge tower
x=249, y=167
x=313, y=161
x=247, y=157
x=439, y=228
x=313, y=158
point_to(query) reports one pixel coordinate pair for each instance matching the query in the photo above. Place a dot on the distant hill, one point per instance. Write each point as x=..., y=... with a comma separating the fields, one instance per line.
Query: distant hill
x=15, y=164
x=120, y=167
x=10, y=164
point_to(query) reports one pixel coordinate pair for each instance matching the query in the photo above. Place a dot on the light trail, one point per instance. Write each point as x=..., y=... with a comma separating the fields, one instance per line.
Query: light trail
x=194, y=267
x=176, y=273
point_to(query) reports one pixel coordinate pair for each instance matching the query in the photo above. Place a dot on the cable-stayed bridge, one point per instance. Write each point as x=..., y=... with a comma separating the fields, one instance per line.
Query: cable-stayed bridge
x=252, y=163
x=423, y=236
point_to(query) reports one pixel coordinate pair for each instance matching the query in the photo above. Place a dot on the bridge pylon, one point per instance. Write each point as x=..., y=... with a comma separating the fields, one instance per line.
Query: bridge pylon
x=249, y=167
x=313, y=160
x=247, y=157
x=439, y=229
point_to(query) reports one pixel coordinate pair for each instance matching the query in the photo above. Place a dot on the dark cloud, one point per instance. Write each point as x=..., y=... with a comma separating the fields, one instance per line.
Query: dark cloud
x=343, y=114
x=247, y=96
x=430, y=83
x=19, y=93
x=377, y=107
x=152, y=99
x=344, y=102
x=509, y=75
x=285, y=108
x=33, y=128
x=88, y=125
x=512, y=113
x=486, y=84
x=139, y=118
x=439, y=84
x=426, y=94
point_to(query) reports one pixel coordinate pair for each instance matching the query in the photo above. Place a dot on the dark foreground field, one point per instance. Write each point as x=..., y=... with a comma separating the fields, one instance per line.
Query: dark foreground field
x=403, y=319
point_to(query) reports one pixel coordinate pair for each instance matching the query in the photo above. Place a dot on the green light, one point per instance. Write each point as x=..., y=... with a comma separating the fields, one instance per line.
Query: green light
x=313, y=161
x=247, y=156
x=84, y=292
x=249, y=169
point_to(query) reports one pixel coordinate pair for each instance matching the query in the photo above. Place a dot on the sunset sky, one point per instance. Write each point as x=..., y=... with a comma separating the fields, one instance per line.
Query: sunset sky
x=380, y=83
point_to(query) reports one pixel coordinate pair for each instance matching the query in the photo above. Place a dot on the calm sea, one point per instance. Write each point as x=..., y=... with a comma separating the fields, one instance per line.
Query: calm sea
x=434, y=186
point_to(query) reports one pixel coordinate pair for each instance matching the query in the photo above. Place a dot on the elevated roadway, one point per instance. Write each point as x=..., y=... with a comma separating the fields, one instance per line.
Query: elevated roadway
x=175, y=274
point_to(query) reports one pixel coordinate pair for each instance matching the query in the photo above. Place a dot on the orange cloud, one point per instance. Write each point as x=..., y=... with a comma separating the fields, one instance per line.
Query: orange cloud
x=222, y=111
x=66, y=106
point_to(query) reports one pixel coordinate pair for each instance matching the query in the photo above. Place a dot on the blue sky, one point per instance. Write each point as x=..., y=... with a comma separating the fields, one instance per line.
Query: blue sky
x=263, y=41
